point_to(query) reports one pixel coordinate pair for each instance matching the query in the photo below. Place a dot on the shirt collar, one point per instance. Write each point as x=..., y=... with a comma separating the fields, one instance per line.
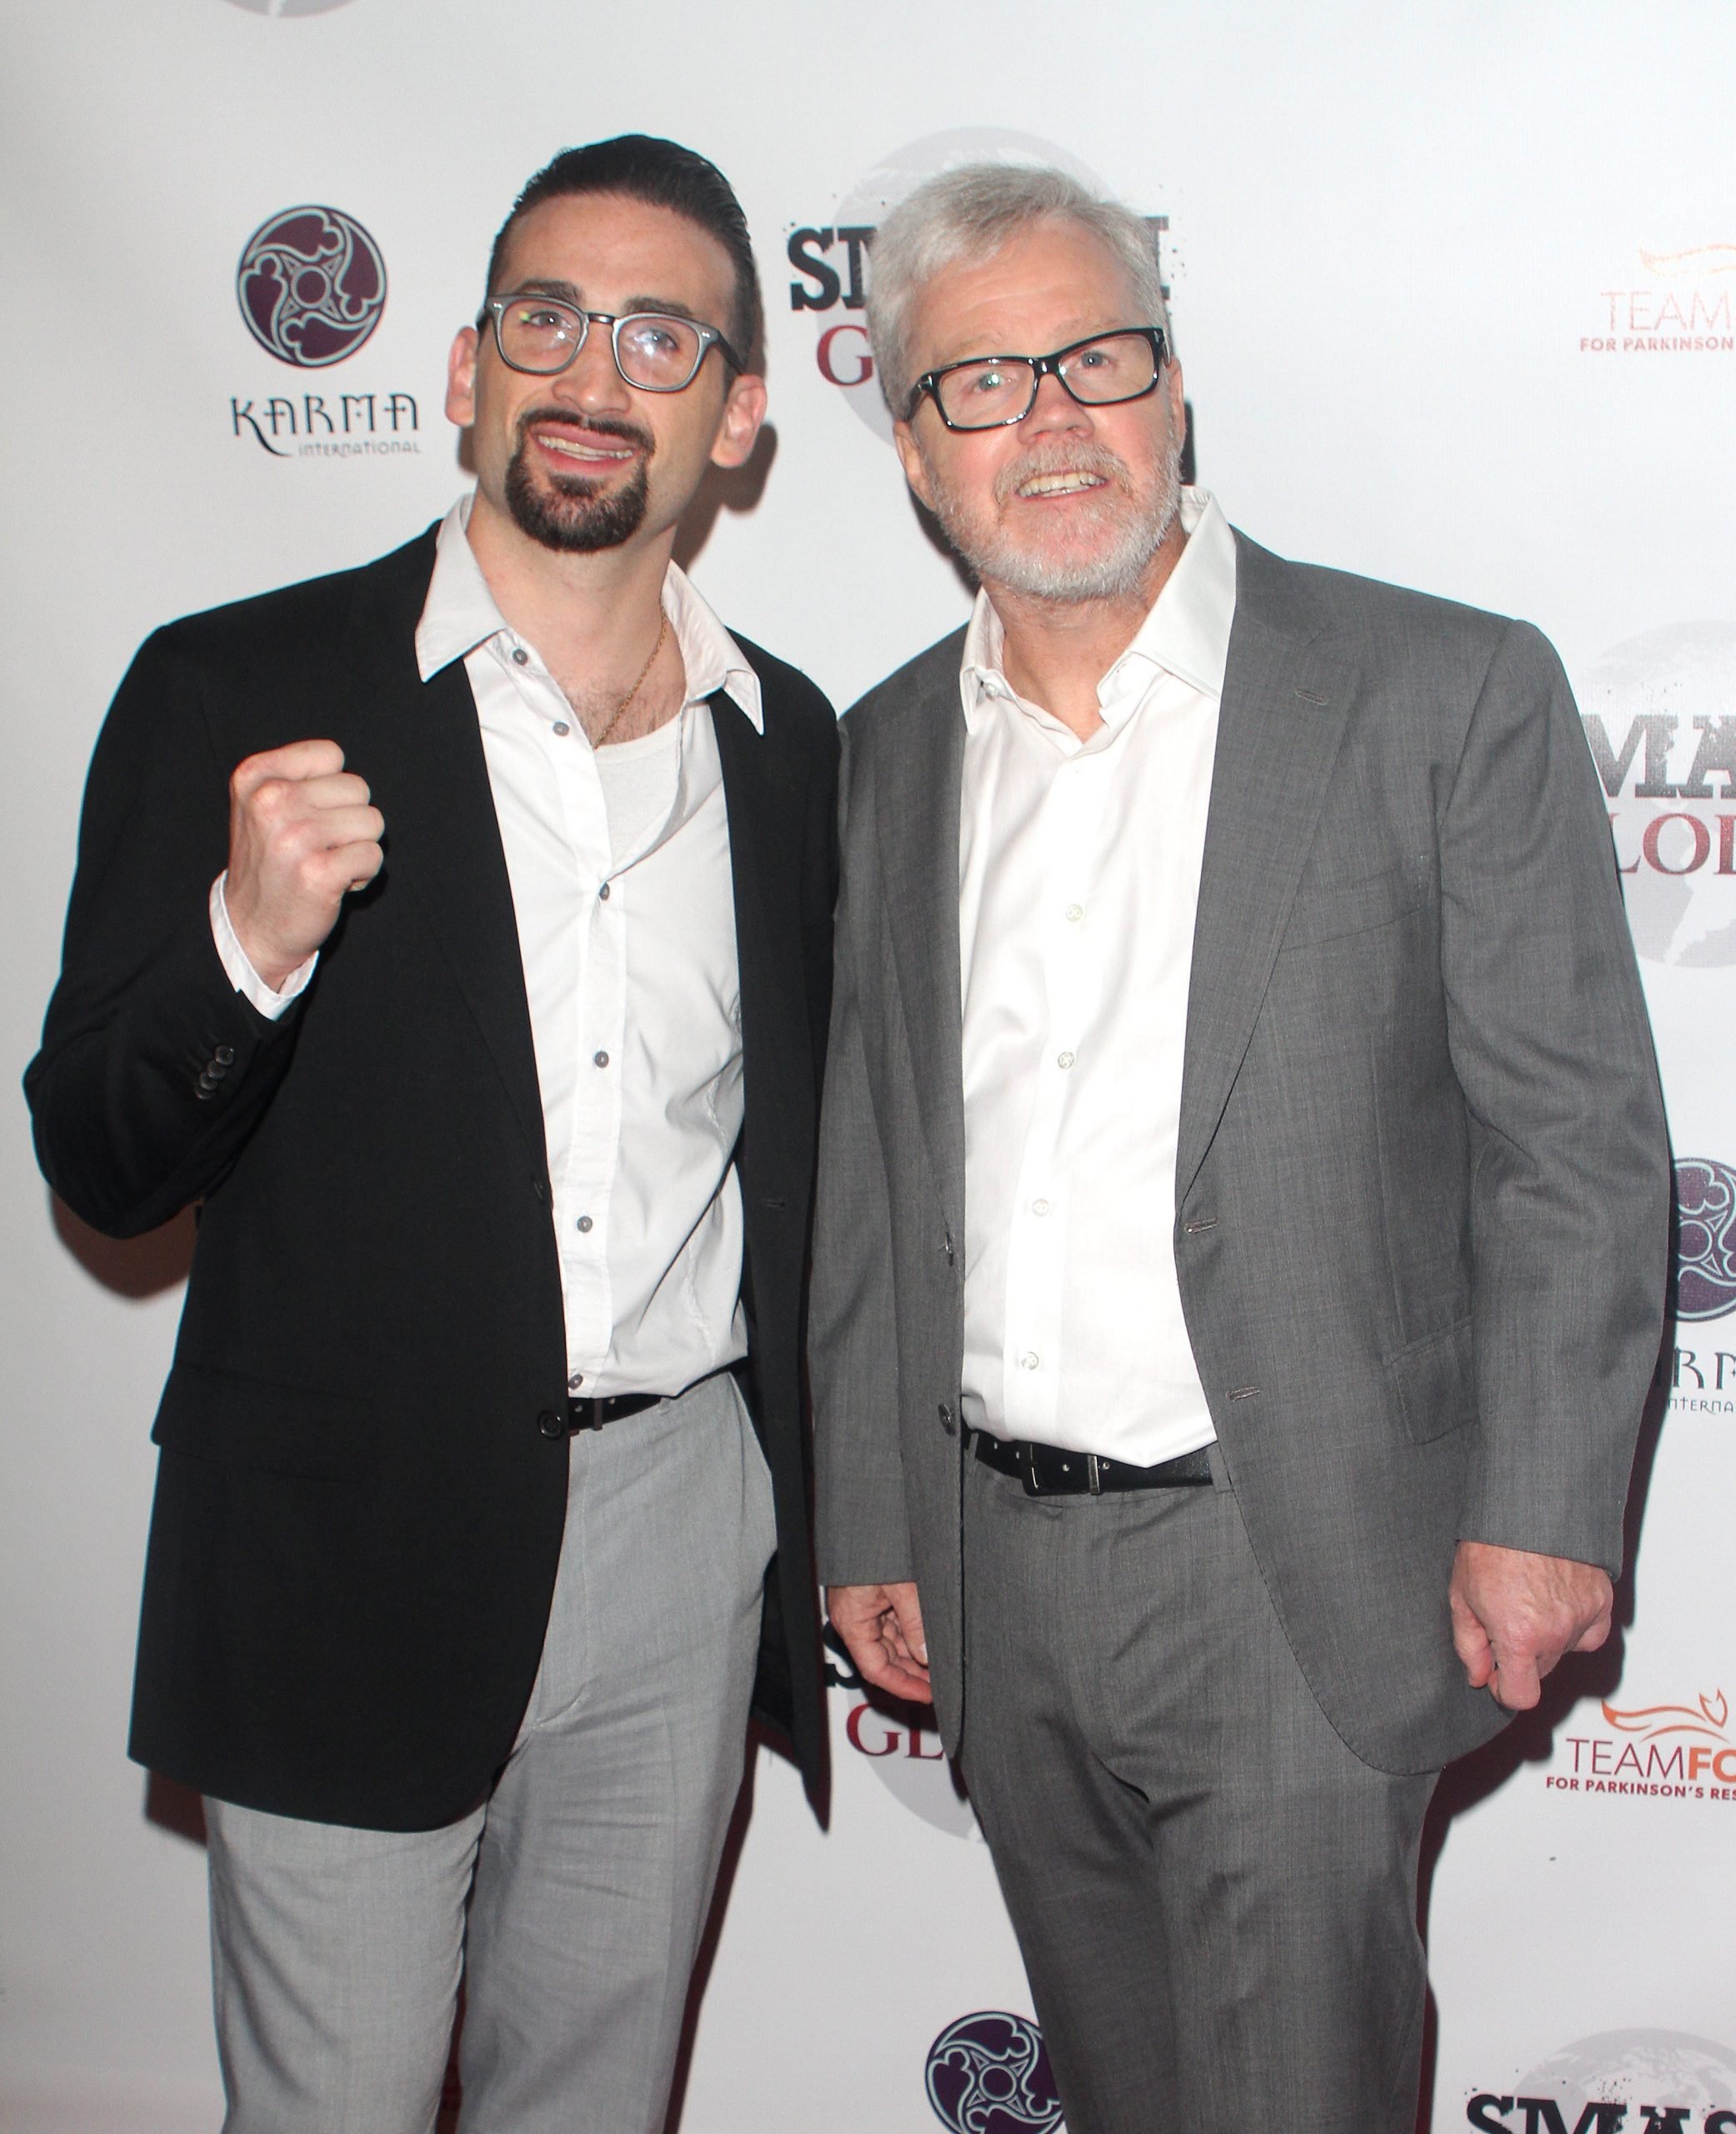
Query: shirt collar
x=1185, y=634
x=459, y=614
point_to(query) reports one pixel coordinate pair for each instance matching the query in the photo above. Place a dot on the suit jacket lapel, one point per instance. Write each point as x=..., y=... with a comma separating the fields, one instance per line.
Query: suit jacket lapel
x=1280, y=723
x=918, y=836
x=424, y=760
x=765, y=880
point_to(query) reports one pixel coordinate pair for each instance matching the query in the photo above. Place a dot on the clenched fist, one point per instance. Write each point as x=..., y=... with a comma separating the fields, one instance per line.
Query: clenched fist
x=302, y=834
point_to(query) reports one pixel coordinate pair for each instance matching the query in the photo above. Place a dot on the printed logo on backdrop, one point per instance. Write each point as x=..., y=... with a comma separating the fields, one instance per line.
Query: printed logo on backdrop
x=1639, y=2081
x=1705, y=1265
x=1677, y=303
x=905, y=1754
x=1660, y=713
x=831, y=256
x=310, y=287
x=289, y=6
x=1655, y=1752
x=989, y=2074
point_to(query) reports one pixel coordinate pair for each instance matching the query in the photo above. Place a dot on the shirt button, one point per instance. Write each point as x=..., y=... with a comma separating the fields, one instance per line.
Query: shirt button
x=561, y=728
x=521, y=657
x=584, y=1222
x=575, y=1382
x=1075, y=911
x=1028, y=1361
x=603, y=892
x=599, y=1059
x=1039, y=1207
x=1063, y=1059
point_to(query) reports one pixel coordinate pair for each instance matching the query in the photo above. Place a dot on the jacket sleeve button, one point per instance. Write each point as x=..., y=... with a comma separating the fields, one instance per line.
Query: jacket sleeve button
x=224, y=1055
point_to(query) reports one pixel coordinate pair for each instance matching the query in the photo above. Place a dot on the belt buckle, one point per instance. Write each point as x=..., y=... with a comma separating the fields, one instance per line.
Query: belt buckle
x=1028, y=1465
x=1093, y=1478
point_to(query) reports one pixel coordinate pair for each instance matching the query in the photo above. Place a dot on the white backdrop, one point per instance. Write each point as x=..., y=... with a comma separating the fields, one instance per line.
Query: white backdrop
x=1453, y=287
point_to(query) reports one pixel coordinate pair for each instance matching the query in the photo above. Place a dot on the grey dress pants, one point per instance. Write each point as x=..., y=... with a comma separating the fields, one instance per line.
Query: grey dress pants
x=1215, y=1900
x=571, y=1902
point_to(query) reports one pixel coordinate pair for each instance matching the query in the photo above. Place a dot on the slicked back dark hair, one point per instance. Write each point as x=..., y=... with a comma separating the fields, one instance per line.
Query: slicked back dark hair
x=663, y=174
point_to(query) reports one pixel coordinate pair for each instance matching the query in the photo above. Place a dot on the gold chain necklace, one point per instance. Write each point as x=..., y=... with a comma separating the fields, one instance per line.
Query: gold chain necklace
x=616, y=716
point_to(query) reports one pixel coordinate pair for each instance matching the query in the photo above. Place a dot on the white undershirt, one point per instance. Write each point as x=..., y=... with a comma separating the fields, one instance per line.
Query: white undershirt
x=1078, y=879
x=618, y=860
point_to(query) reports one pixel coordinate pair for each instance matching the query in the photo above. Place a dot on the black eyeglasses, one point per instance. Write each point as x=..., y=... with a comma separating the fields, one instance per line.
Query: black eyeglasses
x=991, y=392
x=657, y=351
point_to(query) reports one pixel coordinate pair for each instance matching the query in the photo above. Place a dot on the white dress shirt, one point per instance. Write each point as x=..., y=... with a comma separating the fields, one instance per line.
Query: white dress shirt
x=618, y=860
x=1079, y=876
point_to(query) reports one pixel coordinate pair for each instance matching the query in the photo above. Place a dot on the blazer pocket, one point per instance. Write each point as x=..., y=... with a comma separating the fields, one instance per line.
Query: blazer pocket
x=1319, y=915
x=239, y=1421
x=1435, y=1381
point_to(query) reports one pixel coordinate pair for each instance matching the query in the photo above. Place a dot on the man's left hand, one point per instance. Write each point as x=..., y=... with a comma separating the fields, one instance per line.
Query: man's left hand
x=1514, y=1613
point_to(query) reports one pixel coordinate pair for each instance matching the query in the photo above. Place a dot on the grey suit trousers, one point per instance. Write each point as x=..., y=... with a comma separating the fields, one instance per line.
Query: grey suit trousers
x=571, y=1902
x=1215, y=1899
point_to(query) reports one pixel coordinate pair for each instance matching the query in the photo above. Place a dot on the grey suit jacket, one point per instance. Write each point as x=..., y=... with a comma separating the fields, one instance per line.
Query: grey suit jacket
x=1422, y=1188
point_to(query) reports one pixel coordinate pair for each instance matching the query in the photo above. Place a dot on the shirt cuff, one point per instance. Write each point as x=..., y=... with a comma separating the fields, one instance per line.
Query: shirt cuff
x=236, y=962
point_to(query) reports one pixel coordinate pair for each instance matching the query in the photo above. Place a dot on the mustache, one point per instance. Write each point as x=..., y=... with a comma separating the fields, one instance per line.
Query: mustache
x=1054, y=455
x=615, y=426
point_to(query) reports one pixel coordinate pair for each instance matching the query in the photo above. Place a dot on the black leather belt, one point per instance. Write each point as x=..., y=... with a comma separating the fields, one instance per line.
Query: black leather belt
x=607, y=1408
x=1051, y=1471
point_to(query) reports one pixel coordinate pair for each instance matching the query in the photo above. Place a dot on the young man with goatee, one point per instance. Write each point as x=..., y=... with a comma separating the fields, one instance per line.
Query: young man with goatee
x=1241, y=1231
x=456, y=932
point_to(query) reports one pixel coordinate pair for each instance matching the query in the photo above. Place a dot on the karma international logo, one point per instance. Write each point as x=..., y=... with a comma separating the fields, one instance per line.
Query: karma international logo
x=312, y=286
x=1680, y=302
x=1660, y=713
x=1636, y=2081
x=831, y=256
x=1705, y=1263
x=989, y=2074
x=1683, y=1751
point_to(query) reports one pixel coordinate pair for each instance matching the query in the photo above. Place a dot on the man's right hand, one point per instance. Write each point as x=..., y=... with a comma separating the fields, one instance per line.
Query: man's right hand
x=302, y=833
x=883, y=1627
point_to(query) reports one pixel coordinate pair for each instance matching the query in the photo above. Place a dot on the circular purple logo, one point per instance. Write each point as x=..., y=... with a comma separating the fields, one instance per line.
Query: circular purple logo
x=312, y=286
x=1705, y=1270
x=989, y=2074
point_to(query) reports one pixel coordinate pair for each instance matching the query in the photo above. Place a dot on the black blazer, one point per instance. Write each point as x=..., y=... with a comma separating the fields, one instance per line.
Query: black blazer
x=358, y=1516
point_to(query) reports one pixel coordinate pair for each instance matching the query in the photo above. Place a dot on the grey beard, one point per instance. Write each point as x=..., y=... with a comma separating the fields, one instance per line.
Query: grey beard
x=1110, y=575
x=574, y=514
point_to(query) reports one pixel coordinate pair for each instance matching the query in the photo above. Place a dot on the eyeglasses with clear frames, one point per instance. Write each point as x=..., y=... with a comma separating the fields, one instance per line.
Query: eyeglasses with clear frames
x=657, y=351
x=992, y=393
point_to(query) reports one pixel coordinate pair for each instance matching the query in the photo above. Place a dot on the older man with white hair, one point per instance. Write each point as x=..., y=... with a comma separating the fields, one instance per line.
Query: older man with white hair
x=1241, y=1232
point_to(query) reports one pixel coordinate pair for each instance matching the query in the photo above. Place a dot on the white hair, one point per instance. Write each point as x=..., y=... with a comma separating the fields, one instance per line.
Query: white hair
x=969, y=214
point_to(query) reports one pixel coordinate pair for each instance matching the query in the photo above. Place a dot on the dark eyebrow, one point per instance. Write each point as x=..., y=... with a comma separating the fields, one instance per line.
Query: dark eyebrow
x=544, y=285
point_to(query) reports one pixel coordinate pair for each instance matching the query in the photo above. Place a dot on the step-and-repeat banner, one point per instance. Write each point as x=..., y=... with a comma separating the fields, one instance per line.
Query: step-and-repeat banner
x=1453, y=290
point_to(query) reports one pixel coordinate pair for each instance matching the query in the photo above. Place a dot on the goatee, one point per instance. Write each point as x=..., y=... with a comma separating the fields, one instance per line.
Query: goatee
x=579, y=514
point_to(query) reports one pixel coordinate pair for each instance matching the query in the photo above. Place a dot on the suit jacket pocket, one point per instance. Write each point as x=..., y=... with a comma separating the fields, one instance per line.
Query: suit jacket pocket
x=1325, y=915
x=1436, y=1384
x=240, y=1421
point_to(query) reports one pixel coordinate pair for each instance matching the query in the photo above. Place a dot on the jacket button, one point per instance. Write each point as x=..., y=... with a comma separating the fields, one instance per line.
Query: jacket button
x=224, y=1055
x=946, y=1419
x=551, y=1425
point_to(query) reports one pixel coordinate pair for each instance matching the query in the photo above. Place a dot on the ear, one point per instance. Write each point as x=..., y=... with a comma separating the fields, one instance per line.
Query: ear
x=461, y=379
x=744, y=409
x=911, y=459
x=1177, y=398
